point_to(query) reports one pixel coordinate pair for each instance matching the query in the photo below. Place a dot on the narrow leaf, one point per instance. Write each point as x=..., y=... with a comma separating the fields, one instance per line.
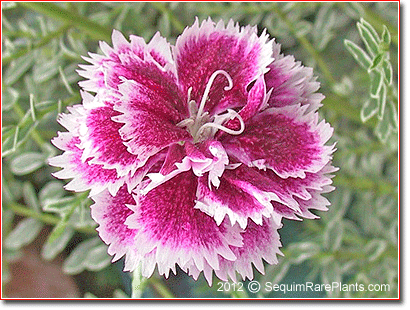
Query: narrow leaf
x=26, y=163
x=7, y=217
x=65, y=81
x=384, y=128
x=369, y=40
x=371, y=29
x=74, y=264
x=388, y=71
x=324, y=22
x=30, y=197
x=61, y=206
x=377, y=61
x=46, y=70
x=57, y=230
x=391, y=114
x=9, y=98
x=9, y=140
x=17, y=69
x=382, y=101
x=374, y=249
x=359, y=54
x=332, y=273
x=333, y=234
x=376, y=83
x=55, y=244
x=278, y=273
x=97, y=258
x=386, y=37
x=54, y=11
x=301, y=251
x=24, y=233
x=302, y=28
x=52, y=191
x=32, y=110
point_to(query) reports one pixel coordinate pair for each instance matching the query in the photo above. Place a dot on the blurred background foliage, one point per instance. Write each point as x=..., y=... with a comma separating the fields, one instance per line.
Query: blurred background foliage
x=353, y=48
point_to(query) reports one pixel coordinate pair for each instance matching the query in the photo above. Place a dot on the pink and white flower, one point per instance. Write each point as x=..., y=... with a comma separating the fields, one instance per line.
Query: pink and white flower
x=194, y=153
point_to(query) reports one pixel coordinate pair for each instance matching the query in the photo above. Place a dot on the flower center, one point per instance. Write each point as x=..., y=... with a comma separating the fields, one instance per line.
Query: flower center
x=202, y=126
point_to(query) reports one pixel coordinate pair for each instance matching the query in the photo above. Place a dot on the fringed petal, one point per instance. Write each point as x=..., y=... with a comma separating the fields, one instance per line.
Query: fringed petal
x=149, y=123
x=84, y=175
x=286, y=140
x=168, y=223
x=110, y=212
x=291, y=83
x=260, y=242
x=204, y=49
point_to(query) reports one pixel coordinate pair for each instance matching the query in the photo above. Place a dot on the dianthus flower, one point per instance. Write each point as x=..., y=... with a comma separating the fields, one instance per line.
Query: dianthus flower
x=194, y=153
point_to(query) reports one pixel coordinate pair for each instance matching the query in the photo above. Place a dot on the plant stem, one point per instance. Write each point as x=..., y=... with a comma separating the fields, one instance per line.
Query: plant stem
x=45, y=40
x=54, y=11
x=46, y=218
x=34, y=134
x=138, y=282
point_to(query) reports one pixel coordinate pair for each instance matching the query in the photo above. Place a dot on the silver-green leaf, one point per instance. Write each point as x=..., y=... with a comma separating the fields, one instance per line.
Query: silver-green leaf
x=359, y=54
x=30, y=197
x=386, y=37
x=24, y=233
x=369, y=36
x=54, y=245
x=377, y=61
x=382, y=101
x=90, y=254
x=388, y=71
x=376, y=83
x=369, y=109
x=27, y=162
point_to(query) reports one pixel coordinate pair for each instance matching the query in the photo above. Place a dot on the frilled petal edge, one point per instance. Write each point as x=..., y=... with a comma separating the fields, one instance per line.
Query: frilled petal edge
x=149, y=122
x=285, y=140
x=169, y=226
x=260, y=243
x=204, y=49
x=291, y=83
x=110, y=212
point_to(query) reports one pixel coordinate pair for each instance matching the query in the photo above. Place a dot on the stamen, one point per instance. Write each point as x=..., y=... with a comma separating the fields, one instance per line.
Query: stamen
x=189, y=94
x=185, y=122
x=223, y=128
x=208, y=88
x=192, y=108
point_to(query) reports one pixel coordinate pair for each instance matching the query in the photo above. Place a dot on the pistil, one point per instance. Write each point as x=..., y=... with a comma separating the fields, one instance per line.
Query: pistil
x=199, y=121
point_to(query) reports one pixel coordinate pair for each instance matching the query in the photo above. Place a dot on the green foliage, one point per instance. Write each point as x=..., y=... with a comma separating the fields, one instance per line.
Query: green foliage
x=24, y=233
x=382, y=89
x=353, y=48
x=90, y=254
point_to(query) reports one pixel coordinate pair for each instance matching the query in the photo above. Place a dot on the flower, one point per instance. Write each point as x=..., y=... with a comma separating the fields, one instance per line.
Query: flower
x=194, y=153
